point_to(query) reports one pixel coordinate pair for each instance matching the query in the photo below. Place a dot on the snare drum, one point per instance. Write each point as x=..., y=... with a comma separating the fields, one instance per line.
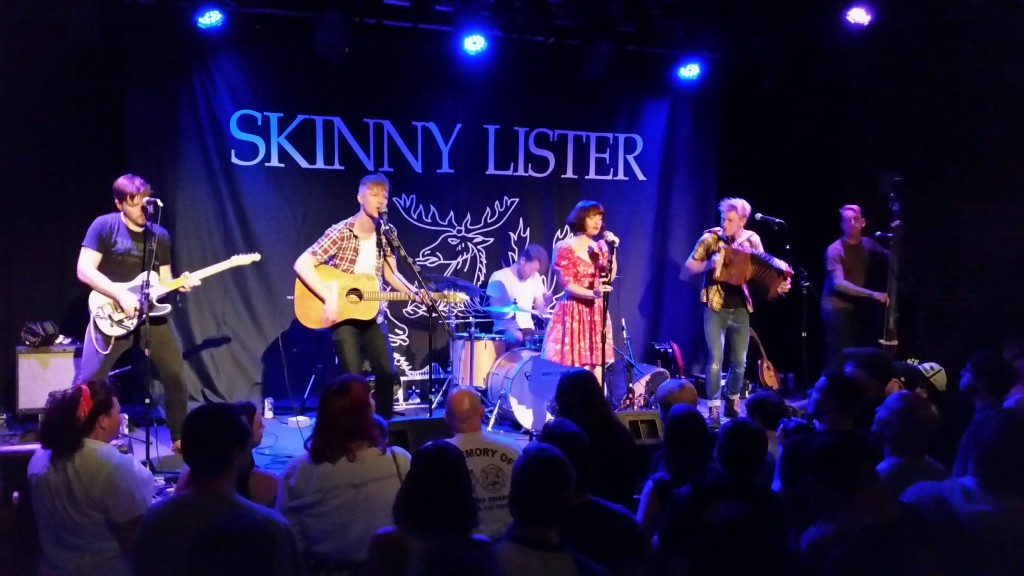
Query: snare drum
x=523, y=383
x=485, y=350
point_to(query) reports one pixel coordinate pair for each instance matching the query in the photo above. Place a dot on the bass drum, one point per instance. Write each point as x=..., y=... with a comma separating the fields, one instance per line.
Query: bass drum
x=523, y=384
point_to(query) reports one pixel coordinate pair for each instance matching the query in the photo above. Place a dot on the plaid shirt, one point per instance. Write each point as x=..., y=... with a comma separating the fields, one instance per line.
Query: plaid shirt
x=711, y=243
x=339, y=248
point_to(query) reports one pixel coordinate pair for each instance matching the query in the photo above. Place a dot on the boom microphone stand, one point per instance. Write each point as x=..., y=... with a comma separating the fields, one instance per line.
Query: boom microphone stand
x=392, y=237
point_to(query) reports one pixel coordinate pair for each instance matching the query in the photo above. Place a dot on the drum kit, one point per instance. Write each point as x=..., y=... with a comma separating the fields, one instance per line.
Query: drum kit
x=517, y=383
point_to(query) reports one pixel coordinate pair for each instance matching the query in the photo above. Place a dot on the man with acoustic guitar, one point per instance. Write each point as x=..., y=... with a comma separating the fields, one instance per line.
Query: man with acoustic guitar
x=727, y=306
x=113, y=254
x=357, y=246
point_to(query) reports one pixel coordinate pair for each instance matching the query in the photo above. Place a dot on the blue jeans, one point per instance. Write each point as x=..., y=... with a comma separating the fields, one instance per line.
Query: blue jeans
x=734, y=323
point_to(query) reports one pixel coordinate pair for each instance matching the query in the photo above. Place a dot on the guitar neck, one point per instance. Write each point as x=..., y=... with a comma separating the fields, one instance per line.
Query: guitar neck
x=172, y=285
x=392, y=296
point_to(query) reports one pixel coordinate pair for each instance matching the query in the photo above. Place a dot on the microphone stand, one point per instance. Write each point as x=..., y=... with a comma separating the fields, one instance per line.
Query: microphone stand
x=605, y=381
x=432, y=309
x=630, y=369
x=149, y=261
x=805, y=288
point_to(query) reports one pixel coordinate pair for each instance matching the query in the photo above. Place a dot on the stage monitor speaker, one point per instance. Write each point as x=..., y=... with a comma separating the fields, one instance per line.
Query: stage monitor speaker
x=644, y=425
x=43, y=370
x=411, y=433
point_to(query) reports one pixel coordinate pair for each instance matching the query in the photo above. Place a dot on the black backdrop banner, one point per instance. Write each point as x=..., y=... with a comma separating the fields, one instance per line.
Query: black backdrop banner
x=257, y=144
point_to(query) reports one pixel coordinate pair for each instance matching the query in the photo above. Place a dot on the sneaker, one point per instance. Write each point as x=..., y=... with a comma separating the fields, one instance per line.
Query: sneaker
x=732, y=407
x=714, y=417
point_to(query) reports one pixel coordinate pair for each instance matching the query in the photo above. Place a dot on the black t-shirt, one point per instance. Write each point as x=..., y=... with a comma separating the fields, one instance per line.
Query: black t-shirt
x=123, y=249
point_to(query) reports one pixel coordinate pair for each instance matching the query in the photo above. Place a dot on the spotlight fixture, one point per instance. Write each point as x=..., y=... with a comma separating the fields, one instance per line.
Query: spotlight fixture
x=474, y=43
x=689, y=71
x=858, y=15
x=208, y=17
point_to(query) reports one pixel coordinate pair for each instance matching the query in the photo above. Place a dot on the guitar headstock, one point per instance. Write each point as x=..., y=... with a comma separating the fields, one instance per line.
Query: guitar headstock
x=245, y=259
x=452, y=297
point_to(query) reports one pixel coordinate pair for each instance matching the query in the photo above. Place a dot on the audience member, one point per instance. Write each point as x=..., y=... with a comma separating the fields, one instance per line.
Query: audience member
x=685, y=457
x=86, y=495
x=768, y=409
x=857, y=529
x=207, y=526
x=253, y=484
x=489, y=457
x=905, y=425
x=872, y=369
x=579, y=398
x=340, y=492
x=712, y=518
x=672, y=392
x=986, y=380
x=603, y=532
x=434, y=511
x=541, y=496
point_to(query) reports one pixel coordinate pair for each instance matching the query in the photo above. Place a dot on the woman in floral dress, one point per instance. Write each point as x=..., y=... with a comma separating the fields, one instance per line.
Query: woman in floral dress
x=574, y=332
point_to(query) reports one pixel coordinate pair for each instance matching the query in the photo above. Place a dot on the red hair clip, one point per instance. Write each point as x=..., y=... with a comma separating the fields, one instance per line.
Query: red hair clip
x=85, y=403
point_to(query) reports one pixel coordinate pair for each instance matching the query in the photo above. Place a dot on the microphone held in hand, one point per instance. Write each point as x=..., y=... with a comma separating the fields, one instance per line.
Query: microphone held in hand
x=770, y=219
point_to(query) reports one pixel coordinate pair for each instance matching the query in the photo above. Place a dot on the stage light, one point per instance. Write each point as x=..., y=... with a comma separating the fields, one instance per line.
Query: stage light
x=207, y=18
x=474, y=44
x=689, y=71
x=858, y=15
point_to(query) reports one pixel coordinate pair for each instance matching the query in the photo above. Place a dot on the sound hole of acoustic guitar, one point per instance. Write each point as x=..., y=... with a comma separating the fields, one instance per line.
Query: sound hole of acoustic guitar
x=354, y=296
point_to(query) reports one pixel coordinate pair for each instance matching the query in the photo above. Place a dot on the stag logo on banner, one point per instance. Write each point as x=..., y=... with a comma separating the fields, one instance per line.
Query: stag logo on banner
x=460, y=246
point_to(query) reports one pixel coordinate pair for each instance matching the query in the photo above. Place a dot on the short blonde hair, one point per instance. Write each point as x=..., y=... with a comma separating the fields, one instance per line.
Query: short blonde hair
x=374, y=182
x=737, y=205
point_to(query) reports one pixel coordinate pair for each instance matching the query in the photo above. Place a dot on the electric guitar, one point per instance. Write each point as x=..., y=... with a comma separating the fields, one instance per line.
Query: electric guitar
x=112, y=320
x=358, y=294
x=765, y=370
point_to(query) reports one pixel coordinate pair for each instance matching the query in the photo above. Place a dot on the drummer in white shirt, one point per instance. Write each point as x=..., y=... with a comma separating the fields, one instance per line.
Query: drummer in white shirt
x=519, y=284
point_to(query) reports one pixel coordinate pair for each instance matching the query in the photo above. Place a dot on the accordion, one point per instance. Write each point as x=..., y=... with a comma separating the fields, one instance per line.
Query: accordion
x=739, y=266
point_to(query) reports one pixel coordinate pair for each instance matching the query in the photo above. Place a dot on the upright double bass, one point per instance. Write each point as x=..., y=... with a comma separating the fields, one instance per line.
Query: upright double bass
x=890, y=336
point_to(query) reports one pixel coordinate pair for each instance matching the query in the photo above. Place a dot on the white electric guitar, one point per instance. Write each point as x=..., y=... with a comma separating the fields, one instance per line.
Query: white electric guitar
x=112, y=320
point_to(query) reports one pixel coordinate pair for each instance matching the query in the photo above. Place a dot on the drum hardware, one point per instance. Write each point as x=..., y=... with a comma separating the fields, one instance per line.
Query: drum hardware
x=522, y=384
x=455, y=284
x=512, y=308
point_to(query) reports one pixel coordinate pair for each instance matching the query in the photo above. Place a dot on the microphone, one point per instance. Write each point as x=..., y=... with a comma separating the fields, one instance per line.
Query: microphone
x=150, y=201
x=382, y=214
x=624, y=335
x=772, y=220
x=610, y=239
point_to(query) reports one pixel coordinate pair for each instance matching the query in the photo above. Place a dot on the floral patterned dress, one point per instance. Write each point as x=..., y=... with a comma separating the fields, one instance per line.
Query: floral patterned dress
x=574, y=334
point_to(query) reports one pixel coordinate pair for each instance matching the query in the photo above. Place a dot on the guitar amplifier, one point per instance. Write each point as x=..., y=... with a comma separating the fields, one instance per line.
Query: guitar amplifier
x=43, y=370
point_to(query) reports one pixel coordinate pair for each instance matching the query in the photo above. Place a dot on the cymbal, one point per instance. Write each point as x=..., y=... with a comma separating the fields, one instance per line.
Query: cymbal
x=452, y=283
x=510, y=309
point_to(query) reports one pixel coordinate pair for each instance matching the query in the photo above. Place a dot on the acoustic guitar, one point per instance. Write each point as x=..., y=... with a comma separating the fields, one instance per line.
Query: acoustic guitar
x=112, y=320
x=359, y=295
x=765, y=370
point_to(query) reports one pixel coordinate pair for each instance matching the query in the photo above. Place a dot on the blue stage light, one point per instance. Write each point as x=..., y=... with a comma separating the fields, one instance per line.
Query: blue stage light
x=208, y=18
x=859, y=15
x=474, y=44
x=689, y=71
